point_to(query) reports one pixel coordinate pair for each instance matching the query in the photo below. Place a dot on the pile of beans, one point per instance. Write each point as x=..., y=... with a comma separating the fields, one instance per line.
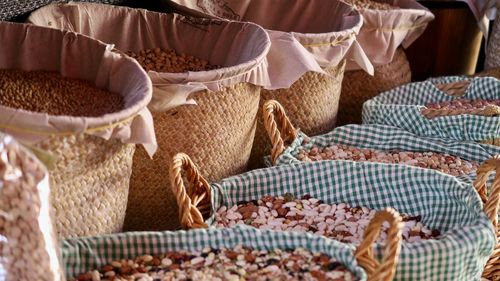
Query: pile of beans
x=464, y=104
x=238, y=263
x=337, y=221
x=445, y=163
x=51, y=93
x=26, y=241
x=169, y=60
x=370, y=4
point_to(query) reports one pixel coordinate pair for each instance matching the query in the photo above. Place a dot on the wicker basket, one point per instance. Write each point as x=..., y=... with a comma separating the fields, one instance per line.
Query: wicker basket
x=493, y=52
x=218, y=132
x=312, y=103
x=358, y=86
x=493, y=72
x=91, y=157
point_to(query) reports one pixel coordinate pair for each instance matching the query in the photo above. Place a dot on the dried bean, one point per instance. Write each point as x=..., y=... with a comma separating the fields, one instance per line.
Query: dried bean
x=51, y=93
x=27, y=240
x=443, y=162
x=370, y=4
x=169, y=60
x=337, y=221
x=238, y=263
x=464, y=104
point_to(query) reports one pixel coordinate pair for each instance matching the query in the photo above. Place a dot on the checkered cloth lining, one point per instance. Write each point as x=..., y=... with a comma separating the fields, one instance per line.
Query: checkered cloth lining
x=9, y=9
x=444, y=202
x=82, y=254
x=382, y=137
x=401, y=106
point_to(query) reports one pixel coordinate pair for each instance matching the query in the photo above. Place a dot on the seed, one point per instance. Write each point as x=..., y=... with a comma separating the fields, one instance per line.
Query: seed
x=169, y=60
x=443, y=162
x=337, y=221
x=370, y=4
x=298, y=264
x=51, y=93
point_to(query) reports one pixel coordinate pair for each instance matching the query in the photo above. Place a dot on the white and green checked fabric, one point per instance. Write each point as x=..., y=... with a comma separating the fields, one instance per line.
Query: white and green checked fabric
x=82, y=254
x=444, y=202
x=401, y=107
x=383, y=137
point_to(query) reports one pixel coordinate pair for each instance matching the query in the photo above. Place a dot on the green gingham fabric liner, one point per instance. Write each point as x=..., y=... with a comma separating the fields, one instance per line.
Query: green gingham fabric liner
x=80, y=255
x=401, y=106
x=444, y=202
x=383, y=137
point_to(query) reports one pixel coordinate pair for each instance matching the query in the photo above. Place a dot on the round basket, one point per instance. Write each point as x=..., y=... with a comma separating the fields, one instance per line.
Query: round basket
x=312, y=101
x=91, y=157
x=358, y=86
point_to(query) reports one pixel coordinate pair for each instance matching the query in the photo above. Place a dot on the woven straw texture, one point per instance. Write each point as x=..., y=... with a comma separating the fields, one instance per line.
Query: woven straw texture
x=493, y=72
x=387, y=138
x=10, y=9
x=83, y=254
x=218, y=132
x=493, y=52
x=89, y=183
x=444, y=203
x=312, y=103
x=402, y=107
x=358, y=86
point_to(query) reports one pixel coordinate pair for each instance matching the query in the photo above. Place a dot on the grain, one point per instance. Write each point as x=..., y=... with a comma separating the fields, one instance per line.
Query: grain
x=161, y=60
x=370, y=4
x=51, y=93
x=464, y=104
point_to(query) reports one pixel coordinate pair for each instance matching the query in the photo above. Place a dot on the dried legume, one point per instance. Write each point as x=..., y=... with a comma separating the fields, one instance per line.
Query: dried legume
x=169, y=60
x=27, y=239
x=464, y=104
x=443, y=162
x=336, y=221
x=370, y=4
x=238, y=263
x=51, y=93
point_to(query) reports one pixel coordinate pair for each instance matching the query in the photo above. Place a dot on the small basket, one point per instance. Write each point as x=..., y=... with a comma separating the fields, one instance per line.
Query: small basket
x=335, y=180
x=358, y=86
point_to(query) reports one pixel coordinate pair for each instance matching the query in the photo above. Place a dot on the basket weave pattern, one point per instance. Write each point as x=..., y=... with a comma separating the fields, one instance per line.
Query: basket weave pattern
x=311, y=104
x=358, y=86
x=89, y=183
x=218, y=132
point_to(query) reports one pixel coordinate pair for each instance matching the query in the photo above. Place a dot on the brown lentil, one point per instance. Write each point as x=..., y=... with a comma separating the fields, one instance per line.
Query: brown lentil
x=238, y=263
x=51, y=93
x=337, y=221
x=161, y=60
x=464, y=104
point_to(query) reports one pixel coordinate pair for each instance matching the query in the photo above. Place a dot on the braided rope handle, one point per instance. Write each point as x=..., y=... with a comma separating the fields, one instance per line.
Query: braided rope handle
x=489, y=110
x=189, y=199
x=455, y=89
x=273, y=110
x=492, y=201
x=385, y=270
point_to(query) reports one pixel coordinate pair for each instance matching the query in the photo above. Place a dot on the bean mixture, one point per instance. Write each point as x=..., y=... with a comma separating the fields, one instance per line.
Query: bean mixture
x=49, y=92
x=443, y=162
x=337, y=221
x=169, y=60
x=25, y=237
x=370, y=4
x=238, y=263
x=464, y=104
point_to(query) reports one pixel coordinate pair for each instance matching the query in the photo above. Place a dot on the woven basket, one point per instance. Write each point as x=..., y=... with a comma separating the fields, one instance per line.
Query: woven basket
x=312, y=103
x=493, y=52
x=90, y=183
x=218, y=132
x=493, y=72
x=91, y=157
x=358, y=86
x=198, y=200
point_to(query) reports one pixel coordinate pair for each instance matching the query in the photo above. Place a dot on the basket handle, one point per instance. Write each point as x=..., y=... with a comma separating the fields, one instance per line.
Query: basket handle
x=492, y=201
x=288, y=132
x=189, y=199
x=455, y=89
x=385, y=270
